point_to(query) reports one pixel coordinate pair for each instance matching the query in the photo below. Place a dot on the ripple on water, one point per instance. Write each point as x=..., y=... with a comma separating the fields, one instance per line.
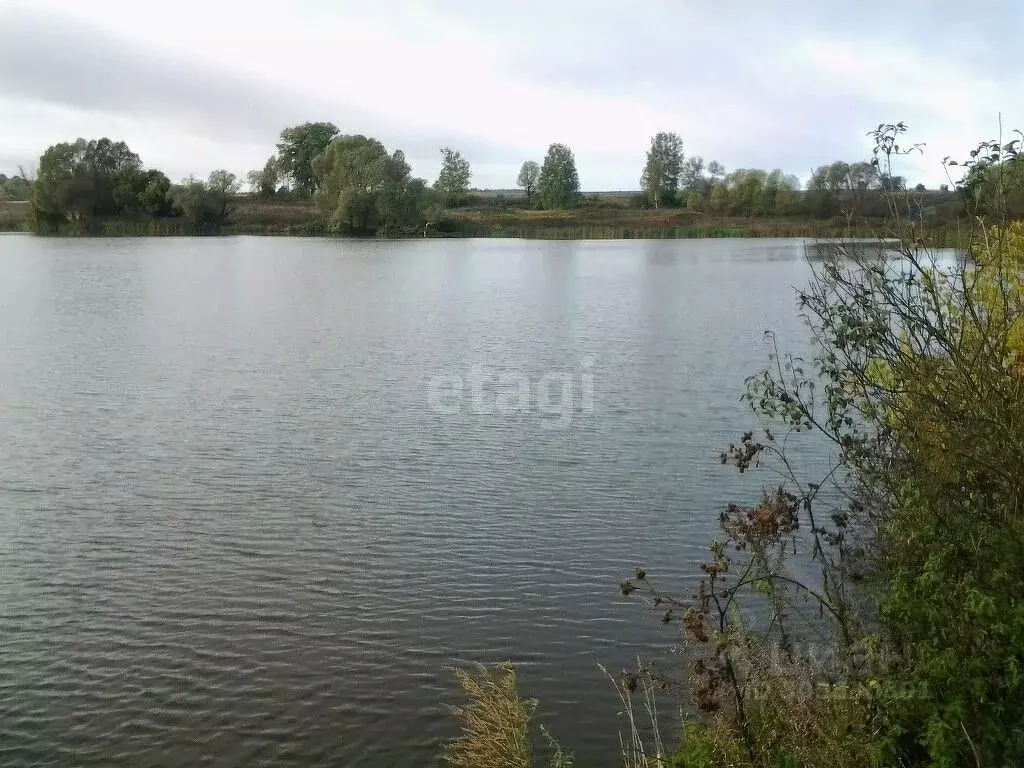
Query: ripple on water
x=235, y=532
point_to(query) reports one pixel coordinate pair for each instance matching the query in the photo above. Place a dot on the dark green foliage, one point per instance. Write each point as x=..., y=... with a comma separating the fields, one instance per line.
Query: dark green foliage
x=298, y=148
x=81, y=184
x=147, y=193
x=205, y=206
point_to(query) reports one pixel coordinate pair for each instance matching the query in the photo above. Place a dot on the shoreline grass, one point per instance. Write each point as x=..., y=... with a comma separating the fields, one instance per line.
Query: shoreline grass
x=589, y=222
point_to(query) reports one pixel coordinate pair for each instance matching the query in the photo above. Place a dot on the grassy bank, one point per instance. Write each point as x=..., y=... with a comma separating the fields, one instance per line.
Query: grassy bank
x=597, y=220
x=14, y=216
x=616, y=222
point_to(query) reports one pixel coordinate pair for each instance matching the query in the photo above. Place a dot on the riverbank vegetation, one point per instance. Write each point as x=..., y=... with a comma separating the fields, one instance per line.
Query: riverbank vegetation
x=320, y=181
x=871, y=614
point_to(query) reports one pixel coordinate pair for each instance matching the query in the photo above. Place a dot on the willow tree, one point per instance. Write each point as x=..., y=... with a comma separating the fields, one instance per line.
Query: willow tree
x=365, y=189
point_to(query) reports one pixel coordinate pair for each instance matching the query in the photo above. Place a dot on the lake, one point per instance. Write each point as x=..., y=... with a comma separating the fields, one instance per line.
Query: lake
x=257, y=494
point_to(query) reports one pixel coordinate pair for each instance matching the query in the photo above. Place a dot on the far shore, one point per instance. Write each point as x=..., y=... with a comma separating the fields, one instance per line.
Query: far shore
x=598, y=219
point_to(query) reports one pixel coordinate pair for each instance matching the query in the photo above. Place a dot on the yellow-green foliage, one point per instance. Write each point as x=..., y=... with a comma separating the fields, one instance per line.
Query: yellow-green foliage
x=954, y=545
x=1000, y=285
x=495, y=723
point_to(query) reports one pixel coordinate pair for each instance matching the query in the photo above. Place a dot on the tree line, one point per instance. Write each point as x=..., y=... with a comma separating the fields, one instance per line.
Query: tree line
x=358, y=186
x=14, y=187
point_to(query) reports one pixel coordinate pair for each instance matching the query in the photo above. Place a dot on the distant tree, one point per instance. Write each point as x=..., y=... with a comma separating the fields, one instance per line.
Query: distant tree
x=452, y=183
x=265, y=182
x=143, y=194
x=780, y=194
x=207, y=205
x=920, y=188
x=298, y=147
x=841, y=186
x=558, y=185
x=697, y=181
x=154, y=194
x=691, y=175
x=527, y=179
x=81, y=182
x=664, y=167
x=719, y=200
x=745, y=192
x=223, y=187
x=892, y=183
x=14, y=188
x=366, y=190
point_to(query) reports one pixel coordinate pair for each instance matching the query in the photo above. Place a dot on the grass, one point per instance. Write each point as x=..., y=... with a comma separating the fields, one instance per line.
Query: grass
x=600, y=219
x=495, y=723
x=14, y=216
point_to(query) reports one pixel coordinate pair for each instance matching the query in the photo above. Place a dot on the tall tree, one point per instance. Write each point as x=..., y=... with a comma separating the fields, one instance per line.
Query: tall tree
x=660, y=179
x=298, y=147
x=453, y=181
x=558, y=185
x=527, y=179
x=365, y=190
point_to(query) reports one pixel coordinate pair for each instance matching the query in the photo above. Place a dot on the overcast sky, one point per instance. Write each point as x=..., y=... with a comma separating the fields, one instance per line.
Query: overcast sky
x=194, y=85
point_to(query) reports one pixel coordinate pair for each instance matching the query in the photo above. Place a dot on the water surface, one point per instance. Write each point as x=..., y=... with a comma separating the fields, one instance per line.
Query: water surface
x=236, y=528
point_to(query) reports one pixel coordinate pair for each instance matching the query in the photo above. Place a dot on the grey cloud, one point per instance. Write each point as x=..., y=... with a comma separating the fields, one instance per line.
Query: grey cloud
x=721, y=66
x=50, y=60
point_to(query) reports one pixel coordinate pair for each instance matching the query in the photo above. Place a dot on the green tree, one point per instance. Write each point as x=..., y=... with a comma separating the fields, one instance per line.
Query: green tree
x=140, y=194
x=366, y=190
x=154, y=194
x=664, y=167
x=527, y=178
x=994, y=186
x=745, y=191
x=452, y=183
x=14, y=188
x=298, y=147
x=780, y=194
x=558, y=185
x=206, y=206
x=264, y=182
x=697, y=181
x=223, y=188
x=842, y=186
x=79, y=183
x=692, y=174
